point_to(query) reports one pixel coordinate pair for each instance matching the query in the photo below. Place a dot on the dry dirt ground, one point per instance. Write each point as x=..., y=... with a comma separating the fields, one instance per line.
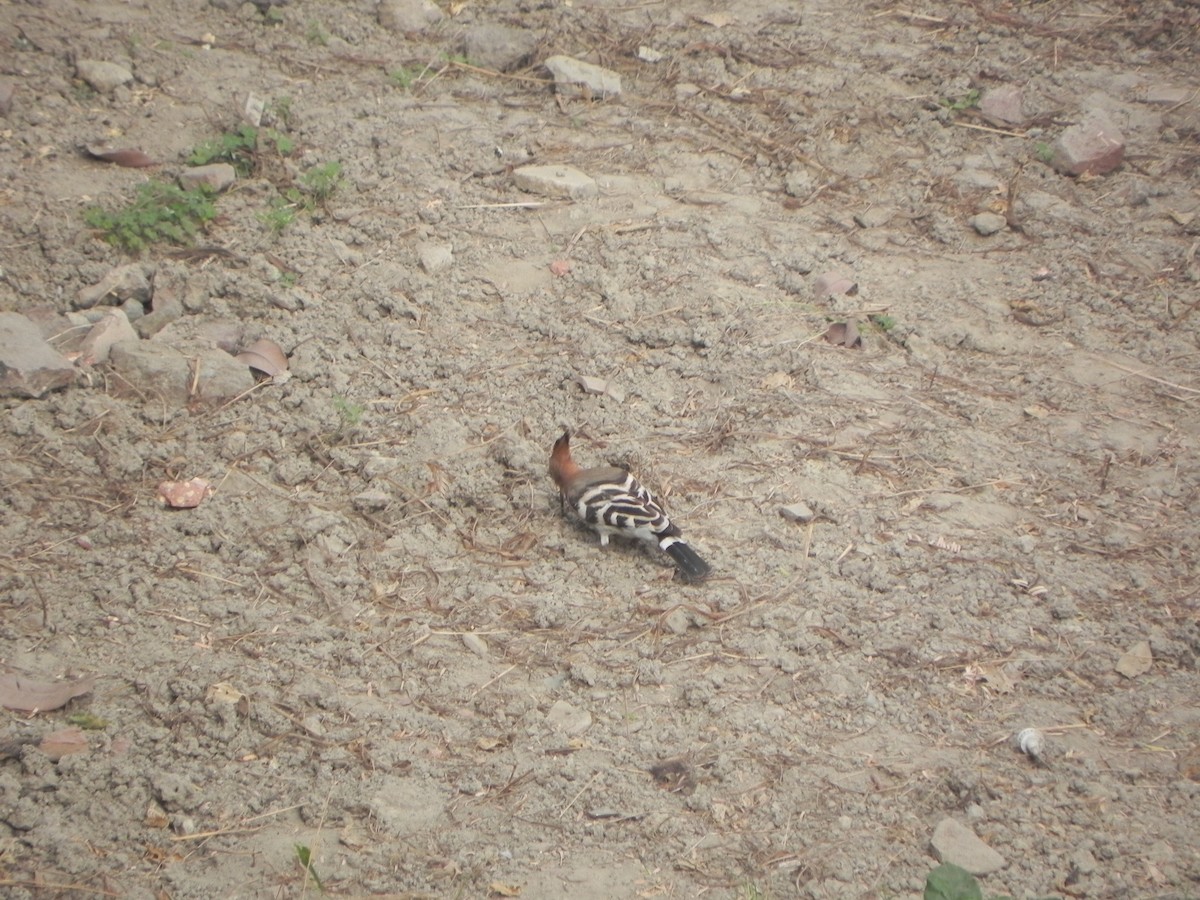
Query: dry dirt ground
x=380, y=639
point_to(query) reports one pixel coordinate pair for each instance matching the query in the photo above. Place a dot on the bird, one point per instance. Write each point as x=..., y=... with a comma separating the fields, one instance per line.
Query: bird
x=613, y=502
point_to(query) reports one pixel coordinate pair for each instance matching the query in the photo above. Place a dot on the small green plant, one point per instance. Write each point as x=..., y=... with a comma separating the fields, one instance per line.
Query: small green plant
x=951, y=882
x=281, y=109
x=317, y=34
x=1044, y=151
x=279, y=216
x=351, y=413
x=304, y=857
x=159, y=212
x=321, y=181
x=459, y=58
x=969, y=100
x=240, y=148
x=402, y=78
x=87, y=721
x=273, y=16
x=882, y=322
x=288, y=279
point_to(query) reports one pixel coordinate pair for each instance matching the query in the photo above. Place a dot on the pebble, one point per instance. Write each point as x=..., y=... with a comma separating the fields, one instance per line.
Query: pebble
x=435, y=257
x=104, y=77
x=568, y=719
x=1094, y=146
x=499, y=47
x=29, y=367
x=954, y=843
x=555, y=181
x=129, y=282
x=569, y=73
x=408, y=15
x=988, y=223
x=112, y=328
x=797, y=512
x=152, y=369
x=1004, y=104
x=217, y=177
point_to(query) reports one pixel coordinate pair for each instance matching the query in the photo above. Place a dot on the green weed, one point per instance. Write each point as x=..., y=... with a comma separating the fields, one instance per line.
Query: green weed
x=402, y=78
x=304, y=857
x=241, y=148
x=321, y=181
x=279, y=216
x=317, y=34
x=882, y=322
x=159, y=212
x=350, y=413
x=969, y=100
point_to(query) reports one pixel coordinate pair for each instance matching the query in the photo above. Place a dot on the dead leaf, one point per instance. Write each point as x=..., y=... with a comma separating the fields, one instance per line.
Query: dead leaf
x=129, y=157
x=64, y=742
x=560, y=267
x=844, y=334
x=500, y=889
x=27, y=695
x=184, y=494
x=716, y=20
x=1138, y=660
x=265, y=356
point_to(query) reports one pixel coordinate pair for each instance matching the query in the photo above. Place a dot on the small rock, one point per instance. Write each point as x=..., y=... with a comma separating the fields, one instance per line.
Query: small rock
x=988, y=223
x=797, y=512
x=555, y=181
x=371, y=501
x=875, y=217
x=130, y=282
x=1004, y=104
x=475, y=644
x=102, y=76
x=649, y=54
x=219, y=376
x=570, y=73
x=834, y=284
x=1083, y=861
x=216, y=176
x=435, y=257
x=154, y=370
x=568, y=719
x=1138, y=660
x=113, y=328
x=499, y=47
x=955, y=843
x=29, y=367
x=408, y=15
x=1095, y=146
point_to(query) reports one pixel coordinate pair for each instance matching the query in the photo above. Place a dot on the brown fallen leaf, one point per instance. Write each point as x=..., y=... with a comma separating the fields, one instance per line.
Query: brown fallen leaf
x=27, y=694
x=184, y=494
x=265, y=356
x=129, y=157
x=64, y=742
x=844, y=334
x=501, y=889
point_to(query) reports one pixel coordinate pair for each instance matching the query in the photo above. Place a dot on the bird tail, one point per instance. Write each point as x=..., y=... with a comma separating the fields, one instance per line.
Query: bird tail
x=691, y=566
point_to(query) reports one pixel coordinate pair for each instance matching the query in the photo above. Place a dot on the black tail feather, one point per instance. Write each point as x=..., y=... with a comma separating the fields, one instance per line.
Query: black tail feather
x=691, y=566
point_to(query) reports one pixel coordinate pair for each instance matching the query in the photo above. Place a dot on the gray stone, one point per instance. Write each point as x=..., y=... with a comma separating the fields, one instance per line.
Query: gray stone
x=155, y=371
x=129, y=282
x=555, y=181
x=955, y=843
x=112, y=328
x=875, y=217
x=499, y=47
x=834, y=284
x=1004, y=104
x=987, y=223
x=408, y=15
x=1095, y=146
x=29, y=367
x=435, y=257
x=571, y=73
x=219, y=376
x=797, y=512
x=103, y=76
x=216, y=176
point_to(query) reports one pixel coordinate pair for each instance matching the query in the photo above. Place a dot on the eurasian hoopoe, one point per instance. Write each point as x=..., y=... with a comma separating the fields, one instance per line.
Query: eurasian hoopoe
x=611, y=501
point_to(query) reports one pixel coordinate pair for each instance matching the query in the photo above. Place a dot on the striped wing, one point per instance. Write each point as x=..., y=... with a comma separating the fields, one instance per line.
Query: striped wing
x=624, y=506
